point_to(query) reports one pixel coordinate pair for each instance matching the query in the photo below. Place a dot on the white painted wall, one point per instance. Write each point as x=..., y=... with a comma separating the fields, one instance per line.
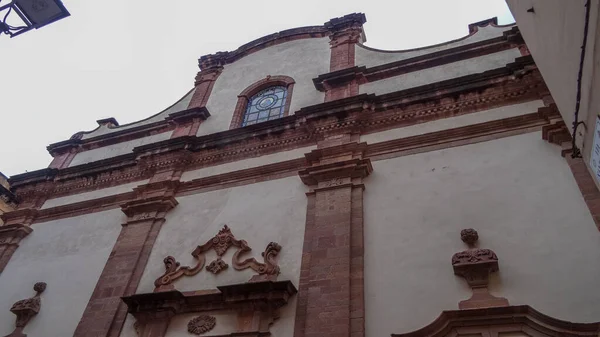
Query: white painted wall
x=370, y=57
x=69, y=255
x=440, y=73
x=246, y=163
x=454, y=122
x=302, y=60
x=180, y=105
x=259, y=213
x=116, y=149
x=104, y=192
x=517, y=192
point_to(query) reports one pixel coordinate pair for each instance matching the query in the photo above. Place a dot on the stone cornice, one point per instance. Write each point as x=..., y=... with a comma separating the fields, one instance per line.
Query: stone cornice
x=263, y=295
x=518, y=318
x=363, y=113
x=363, y=74
x=382, y=150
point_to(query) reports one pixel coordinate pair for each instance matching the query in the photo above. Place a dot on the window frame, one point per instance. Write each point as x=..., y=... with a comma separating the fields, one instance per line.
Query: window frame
x=245, y=96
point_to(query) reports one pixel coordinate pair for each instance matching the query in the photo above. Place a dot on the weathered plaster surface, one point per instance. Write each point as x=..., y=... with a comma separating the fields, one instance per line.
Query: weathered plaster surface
x=69, y=255
x=518, y=192
x=454, y=122
x=246, y=163
x=440, y=73
x=116, y=149
x=373, y=57
x=104, y=192
x=302, y=60
x=178, y=106
x=259, y=213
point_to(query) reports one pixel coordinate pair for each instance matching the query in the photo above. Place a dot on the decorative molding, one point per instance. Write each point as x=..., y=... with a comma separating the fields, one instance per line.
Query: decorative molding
x=220, y=243
x=26, y=309
x=448, y=98
x=262, y=300
x=201, y=324
x=246, y=94
x=509, y=320
x=10, y=237
x=476, y=265
x=469, y=236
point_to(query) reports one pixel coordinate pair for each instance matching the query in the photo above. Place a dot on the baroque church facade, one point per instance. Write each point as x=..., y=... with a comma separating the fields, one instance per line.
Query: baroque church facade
x=309, y=186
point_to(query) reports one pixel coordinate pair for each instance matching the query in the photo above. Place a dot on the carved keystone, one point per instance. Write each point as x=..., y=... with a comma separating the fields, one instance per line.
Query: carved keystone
x=26, y=309
x=476, y=265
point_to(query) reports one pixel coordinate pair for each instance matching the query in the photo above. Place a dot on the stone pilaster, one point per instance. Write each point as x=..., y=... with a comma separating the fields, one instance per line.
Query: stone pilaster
x=105, y=312
x=331, y=298
x=345, y=33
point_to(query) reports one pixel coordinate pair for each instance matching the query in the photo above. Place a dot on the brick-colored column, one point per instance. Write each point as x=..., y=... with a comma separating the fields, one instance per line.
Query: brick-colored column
x=345, y=33
x=105, y=312
x=211, y=67
x=16, y=227
x=331, y=296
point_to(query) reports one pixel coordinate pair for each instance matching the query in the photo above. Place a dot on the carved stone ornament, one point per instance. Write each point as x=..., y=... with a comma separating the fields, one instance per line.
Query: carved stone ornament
x=201, y=324
x=476, y=265
x=220, y=243
x=26, y=309
x=469, y=236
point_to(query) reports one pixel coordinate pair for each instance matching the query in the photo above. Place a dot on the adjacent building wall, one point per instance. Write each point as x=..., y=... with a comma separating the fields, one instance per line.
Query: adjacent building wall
x=69, y=255
x=517, y=192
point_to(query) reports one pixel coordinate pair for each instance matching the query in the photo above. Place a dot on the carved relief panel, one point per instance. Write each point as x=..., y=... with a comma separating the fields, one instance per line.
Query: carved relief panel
x=220, y=244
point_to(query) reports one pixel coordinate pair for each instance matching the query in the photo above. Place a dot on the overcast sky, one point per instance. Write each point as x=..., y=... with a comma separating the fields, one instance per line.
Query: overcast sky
x=130, y=59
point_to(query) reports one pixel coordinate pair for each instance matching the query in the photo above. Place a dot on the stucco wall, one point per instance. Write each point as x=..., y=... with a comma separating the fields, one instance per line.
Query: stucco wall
x=180, y=105
x=246, y=163
x=454, y=122
x=104, y=192
x=302, y=60
x=259, y=213
x=518, y=192
x=116, y=149
x=370, y=57
x=69, y=255
x=440, y=73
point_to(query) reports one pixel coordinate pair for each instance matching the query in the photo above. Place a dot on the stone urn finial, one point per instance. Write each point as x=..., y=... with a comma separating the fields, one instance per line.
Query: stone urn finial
x=26, y=309
x=476, y=265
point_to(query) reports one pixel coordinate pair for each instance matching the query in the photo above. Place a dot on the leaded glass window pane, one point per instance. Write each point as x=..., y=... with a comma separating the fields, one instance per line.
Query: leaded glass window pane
x=266, y=105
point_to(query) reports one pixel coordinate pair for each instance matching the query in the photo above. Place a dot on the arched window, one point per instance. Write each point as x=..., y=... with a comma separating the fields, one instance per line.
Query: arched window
x=263, y=101
x=266, y=105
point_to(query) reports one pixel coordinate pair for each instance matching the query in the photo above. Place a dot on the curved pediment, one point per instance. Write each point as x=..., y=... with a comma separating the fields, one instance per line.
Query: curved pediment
x=520, y=320
x=479, y=31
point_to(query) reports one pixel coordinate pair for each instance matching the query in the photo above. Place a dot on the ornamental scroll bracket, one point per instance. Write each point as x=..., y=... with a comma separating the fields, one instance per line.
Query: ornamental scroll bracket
x=26, y=309
x=220, y=243
x=476, y=265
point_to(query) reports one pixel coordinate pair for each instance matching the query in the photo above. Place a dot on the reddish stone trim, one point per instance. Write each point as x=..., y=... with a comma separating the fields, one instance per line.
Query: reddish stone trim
x=358, y=114
x=205, y=81
x=10, y=237
x=331, y=275
x=586, y=185
x=246, y=94
x=255, y=303
x=378, y=151
x=188, y=121
x=519, y=319
x=105, y=314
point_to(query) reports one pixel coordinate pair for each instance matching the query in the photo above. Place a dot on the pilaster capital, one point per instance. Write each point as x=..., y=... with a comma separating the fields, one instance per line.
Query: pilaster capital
x=346, y=29
x=23, y=216
x=153, y=202
x=336, y=166
x=13, y=234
